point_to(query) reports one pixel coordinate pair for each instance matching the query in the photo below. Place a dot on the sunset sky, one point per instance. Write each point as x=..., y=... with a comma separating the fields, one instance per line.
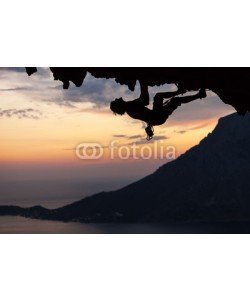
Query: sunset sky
x=42, y=124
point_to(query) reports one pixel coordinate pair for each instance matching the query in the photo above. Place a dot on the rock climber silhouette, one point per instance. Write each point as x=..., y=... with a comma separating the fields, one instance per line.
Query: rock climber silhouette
x=137, y=109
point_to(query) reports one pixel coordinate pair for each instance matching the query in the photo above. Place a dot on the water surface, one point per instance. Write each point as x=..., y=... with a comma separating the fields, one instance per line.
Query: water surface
x=9, y=224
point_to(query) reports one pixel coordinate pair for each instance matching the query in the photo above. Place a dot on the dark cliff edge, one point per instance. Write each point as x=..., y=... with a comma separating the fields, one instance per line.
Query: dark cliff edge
x=230, y=84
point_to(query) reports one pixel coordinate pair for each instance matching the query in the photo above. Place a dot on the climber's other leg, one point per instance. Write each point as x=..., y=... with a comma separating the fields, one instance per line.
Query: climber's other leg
x=173, y=103
x=186, y=99
x=166, y=95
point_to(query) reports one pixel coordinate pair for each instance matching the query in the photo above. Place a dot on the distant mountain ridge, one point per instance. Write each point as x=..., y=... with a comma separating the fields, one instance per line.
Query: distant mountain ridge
x=210, y=182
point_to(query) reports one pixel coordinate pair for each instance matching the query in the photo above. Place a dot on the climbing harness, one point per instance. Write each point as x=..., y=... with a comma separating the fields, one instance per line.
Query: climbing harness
x=150, y=132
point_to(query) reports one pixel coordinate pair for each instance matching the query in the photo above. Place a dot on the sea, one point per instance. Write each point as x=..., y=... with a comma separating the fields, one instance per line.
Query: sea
x=21, y=225
x=58, y=194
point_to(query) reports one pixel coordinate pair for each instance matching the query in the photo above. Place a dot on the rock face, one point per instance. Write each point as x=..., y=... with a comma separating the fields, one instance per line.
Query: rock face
x=210, y=183
x=230, y=84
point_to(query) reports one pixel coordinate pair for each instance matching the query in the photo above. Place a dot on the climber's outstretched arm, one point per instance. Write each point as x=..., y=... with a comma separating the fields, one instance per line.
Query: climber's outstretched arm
x=144, y=97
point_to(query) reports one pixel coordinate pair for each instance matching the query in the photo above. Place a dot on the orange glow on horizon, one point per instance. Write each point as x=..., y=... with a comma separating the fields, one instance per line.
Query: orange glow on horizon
x=54, y=139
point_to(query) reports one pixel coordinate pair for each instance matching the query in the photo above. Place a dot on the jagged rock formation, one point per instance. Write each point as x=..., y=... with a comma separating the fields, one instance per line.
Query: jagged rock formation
x=230, y=84
x=210, y=183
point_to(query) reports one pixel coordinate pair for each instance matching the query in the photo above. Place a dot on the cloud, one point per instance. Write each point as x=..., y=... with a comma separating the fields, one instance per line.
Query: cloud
x=200, y=126
x=14, y=70
x=21, y=113
x=119, y=135
x=99, y=92
x=138, y=136
x=16, y=89
x=160, y=137
x=142, y=140
x=180, y=131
